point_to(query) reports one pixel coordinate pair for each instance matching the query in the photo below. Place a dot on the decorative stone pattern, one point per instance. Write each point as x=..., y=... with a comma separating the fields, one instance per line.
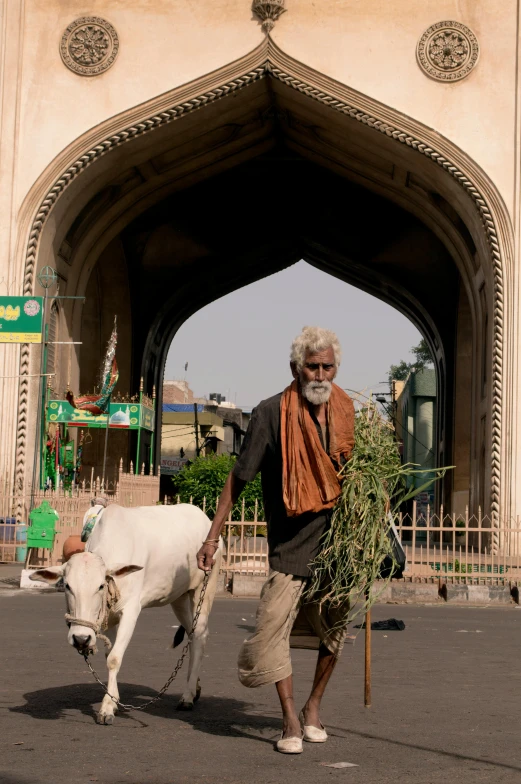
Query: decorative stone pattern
x=447, y=51
x=270, y=65
x=268, y=11
x=89, y=46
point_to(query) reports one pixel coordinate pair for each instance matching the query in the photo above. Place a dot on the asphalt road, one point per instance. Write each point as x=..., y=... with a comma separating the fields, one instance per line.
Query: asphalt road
x=446, y=704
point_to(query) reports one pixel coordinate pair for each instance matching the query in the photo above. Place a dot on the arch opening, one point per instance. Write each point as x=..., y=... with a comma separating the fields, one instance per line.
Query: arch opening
x=250, y=184
x=234, y=352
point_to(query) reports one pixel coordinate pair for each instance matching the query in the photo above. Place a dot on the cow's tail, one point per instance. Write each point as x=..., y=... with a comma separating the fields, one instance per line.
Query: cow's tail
x=179, y=637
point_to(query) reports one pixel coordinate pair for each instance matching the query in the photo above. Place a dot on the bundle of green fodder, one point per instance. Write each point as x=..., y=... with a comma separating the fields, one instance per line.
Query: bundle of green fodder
x=374, y=485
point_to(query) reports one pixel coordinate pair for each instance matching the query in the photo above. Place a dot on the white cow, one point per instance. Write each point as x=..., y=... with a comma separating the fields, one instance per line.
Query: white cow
x=149, y=553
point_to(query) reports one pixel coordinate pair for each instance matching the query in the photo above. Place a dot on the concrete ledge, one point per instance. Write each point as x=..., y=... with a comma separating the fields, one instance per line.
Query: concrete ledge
x=248, y=584
x=221, y=589
x=428, y=593
x=398, y=592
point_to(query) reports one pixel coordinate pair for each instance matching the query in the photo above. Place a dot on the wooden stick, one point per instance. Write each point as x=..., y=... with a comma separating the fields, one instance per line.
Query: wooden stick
x=367, y=678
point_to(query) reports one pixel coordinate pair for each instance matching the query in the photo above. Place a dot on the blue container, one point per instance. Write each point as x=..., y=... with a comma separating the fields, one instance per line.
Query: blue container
x=21, y=541
x=7, y=530
x=21, y=554
x=21, y=534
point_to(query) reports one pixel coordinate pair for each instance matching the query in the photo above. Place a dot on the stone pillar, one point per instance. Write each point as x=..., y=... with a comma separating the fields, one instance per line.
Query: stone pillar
x=11, y=43
x=511, y=431
x=461, y=452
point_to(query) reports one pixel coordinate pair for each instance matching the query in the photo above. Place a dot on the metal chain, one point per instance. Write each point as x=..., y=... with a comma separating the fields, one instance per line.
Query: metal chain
x=178, y=666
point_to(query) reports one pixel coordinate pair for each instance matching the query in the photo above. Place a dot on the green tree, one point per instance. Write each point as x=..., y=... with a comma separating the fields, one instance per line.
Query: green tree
x=204, y=478
x=422, y=353
x=423, y=359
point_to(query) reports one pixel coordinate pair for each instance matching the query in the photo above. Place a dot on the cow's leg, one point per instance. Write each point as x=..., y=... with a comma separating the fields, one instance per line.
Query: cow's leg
x=125, y=631
x=184, y=608
x=111, y=633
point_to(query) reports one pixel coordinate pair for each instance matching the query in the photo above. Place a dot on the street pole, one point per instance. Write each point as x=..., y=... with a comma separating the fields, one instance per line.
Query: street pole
x=47, y=277
x=106, y=443
x=43, y=430
x=151, y=470
x=138, y=447
x=39, y=413
x=196, y=425
x=393, y=402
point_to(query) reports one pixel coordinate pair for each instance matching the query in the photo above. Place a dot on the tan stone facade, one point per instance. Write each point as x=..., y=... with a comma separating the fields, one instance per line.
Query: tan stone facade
x=187, y=153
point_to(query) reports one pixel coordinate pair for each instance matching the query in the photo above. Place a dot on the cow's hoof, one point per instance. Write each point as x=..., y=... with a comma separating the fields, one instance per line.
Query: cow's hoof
x=183, y=705
x=106, y=718
x=107, y=709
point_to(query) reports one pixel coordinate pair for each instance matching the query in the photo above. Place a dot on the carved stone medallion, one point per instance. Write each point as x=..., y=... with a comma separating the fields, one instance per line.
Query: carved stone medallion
x=447, y=51
x=89, y=46
x=268, y=11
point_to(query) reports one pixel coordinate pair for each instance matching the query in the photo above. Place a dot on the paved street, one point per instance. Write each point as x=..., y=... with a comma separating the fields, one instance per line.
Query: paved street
x=446, y=704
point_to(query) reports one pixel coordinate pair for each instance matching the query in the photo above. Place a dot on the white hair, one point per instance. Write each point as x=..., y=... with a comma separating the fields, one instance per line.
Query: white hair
x=314, y=339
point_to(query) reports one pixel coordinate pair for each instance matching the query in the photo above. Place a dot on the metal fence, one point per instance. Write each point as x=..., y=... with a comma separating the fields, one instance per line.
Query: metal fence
x=245, y=549
x=466, y=549
x=129, y=490
x=457, y=549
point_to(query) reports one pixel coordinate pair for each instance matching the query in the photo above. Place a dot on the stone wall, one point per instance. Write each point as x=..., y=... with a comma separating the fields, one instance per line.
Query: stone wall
x=54, y=115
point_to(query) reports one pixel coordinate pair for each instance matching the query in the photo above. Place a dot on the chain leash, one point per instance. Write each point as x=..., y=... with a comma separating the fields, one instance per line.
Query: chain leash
x=178, y=666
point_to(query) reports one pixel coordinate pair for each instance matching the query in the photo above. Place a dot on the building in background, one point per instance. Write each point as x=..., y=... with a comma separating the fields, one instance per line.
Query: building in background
x=198, y=426
x=178, y=391
x=235, y=422
x=415, y=422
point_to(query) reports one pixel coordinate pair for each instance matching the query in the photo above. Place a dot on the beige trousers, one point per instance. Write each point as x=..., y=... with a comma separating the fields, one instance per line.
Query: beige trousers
x=283, y=620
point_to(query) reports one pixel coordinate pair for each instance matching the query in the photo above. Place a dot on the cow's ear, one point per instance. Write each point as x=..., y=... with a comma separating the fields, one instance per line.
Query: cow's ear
x=51, y=574
x=122, y=571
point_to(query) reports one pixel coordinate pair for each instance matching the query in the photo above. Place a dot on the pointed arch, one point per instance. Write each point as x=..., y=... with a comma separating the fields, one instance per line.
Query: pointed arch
x=269, y=60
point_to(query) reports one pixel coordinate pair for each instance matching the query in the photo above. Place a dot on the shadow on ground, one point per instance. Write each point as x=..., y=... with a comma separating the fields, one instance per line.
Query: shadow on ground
x=222, y=716
x=218, y=716
x=6, y=777
x=246, y=627
x=343, y=732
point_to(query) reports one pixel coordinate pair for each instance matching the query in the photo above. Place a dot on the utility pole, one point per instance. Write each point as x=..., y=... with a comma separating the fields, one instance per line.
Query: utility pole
x=106, y=444
x=196, y=425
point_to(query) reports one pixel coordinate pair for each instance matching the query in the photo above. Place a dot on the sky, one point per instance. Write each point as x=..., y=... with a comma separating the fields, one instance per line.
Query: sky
x=239, y=345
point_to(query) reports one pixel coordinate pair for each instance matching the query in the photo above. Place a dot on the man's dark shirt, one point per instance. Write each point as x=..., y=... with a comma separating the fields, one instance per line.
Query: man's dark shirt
x=293, y=541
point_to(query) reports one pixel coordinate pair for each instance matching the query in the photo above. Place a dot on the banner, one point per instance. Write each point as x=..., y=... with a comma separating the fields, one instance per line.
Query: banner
x=21, y=319
x=123, y=416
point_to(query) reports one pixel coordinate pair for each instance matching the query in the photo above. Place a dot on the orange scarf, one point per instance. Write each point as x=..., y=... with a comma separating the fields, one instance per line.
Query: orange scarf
x=309, y=477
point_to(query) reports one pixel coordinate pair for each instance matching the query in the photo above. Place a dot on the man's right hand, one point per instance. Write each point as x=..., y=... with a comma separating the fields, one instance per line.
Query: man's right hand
x=205, y=557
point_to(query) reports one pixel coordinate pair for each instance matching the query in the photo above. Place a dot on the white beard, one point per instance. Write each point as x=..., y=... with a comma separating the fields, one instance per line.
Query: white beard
x=316, y=392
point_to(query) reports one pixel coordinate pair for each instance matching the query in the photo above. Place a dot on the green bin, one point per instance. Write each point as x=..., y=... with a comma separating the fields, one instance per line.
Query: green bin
x=42, y=529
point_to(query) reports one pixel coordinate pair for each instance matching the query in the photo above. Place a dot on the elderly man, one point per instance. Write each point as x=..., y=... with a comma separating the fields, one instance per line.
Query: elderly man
x=298, y=440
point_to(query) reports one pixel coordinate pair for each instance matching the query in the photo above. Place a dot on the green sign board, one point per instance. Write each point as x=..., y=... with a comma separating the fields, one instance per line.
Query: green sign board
x=21, y=319
x=147, y=418
x=123, y=416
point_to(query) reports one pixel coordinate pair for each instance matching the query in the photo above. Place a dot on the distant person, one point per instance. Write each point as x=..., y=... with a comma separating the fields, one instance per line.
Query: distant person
x=298, y=440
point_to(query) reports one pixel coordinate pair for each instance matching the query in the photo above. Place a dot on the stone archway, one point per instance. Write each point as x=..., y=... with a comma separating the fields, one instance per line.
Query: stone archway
x=389, y=154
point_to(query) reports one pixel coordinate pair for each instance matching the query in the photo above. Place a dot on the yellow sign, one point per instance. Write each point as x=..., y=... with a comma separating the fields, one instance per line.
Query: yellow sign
x=20, y=337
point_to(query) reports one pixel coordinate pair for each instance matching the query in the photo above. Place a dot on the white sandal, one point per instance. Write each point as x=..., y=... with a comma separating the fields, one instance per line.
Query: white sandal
x=312, y=734
x=290, y=745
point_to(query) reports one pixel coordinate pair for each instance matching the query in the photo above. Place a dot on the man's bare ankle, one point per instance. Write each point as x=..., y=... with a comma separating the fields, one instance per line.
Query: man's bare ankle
x=291, y=728
x=311, y=713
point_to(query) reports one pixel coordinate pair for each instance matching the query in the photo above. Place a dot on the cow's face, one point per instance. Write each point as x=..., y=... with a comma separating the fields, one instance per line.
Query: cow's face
x=84, y=579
